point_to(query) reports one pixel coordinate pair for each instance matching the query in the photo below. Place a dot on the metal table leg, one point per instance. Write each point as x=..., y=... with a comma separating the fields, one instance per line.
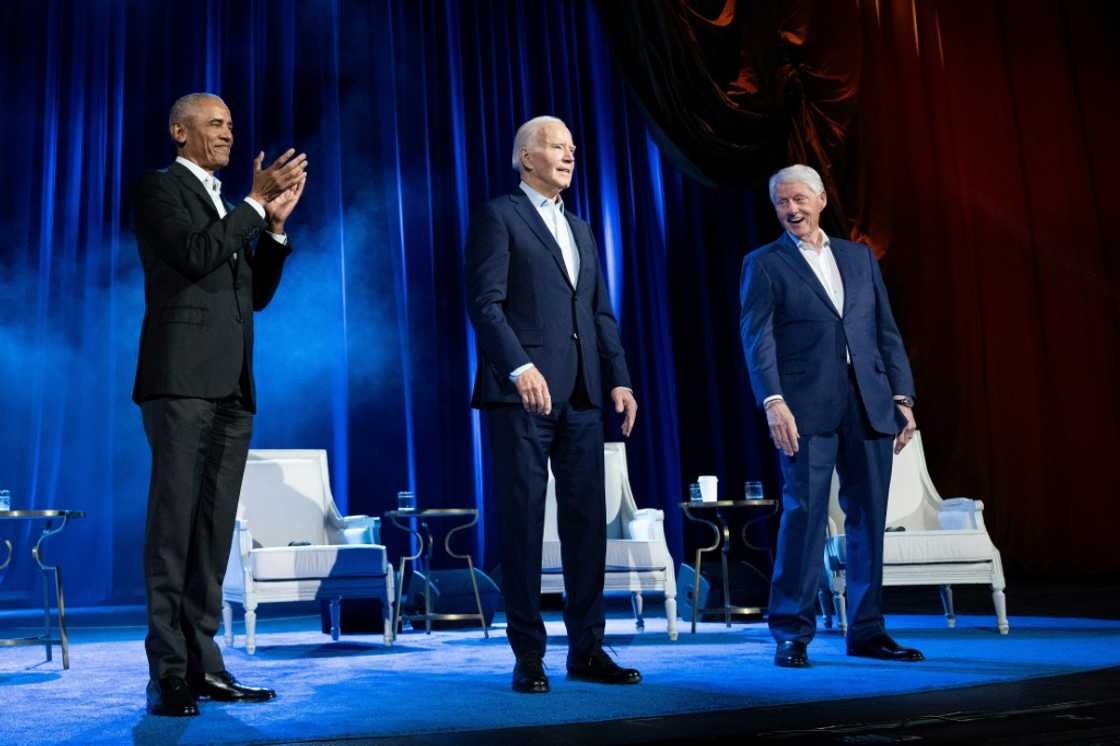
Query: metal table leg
x=470, y=569
x=37, y=553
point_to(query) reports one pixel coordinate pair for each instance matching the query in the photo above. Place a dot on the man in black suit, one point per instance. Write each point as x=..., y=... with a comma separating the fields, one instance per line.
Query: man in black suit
x=208, y=265
x=548, y=342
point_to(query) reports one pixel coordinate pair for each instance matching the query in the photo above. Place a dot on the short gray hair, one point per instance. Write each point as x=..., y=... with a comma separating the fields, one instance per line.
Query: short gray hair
x=181, y=109
x=527, y=132
x=797, y=172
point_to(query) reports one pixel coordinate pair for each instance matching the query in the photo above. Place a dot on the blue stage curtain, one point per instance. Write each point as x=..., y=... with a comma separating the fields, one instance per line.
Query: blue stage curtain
x=407, y=111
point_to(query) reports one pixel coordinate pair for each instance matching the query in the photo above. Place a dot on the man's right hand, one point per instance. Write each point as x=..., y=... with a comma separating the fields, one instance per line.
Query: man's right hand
x=783, y=427
x=534, y=392
x=285, y=171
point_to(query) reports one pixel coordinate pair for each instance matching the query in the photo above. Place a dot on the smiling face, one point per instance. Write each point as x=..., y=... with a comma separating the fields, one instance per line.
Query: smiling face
x=798, y=209
x=548, y=160
x=205, y=134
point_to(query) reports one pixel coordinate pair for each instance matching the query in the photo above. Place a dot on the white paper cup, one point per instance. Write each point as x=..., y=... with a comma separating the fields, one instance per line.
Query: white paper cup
x=709, y=490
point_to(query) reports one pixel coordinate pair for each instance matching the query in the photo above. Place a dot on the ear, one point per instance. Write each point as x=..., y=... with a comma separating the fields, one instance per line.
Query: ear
x=178, y=134
x=525, y=160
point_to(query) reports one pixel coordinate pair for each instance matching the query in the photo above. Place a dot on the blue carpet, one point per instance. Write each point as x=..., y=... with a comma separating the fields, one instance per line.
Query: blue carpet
x=456, y=680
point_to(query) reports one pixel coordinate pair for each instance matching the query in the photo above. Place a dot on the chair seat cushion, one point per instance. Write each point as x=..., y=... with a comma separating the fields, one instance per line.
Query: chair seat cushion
x=318, y=562
x=927, y=547
x=623, y=555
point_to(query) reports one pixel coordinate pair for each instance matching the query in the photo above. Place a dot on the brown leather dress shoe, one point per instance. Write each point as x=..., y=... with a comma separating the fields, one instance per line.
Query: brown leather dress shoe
x=883, y=647
x=223, y=687
x=171, y=697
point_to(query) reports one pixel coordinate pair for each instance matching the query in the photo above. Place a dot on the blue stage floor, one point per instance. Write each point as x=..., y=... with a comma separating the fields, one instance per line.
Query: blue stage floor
x=455, y=681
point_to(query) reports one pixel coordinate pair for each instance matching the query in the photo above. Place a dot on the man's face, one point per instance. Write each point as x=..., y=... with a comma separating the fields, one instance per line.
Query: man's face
x=206, y=134
x=551, y=158
x=799, y=209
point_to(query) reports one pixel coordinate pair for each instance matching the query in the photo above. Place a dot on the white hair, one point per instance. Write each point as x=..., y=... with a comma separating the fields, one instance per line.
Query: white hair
x=527, y=132
x=181, y=109
x=797, y=172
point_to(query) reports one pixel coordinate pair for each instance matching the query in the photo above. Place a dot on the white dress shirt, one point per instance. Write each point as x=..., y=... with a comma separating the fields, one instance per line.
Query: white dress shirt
x=213, y=188
x=552, y=213
x=823, y=264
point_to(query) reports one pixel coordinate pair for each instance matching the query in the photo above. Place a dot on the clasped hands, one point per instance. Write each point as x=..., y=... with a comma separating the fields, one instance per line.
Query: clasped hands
x=536, y=399
x=279, y=187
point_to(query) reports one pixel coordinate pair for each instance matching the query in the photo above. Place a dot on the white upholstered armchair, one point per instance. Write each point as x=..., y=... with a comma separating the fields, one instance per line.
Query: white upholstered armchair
x=638, y=556
x=929, y=541
x=291, y=544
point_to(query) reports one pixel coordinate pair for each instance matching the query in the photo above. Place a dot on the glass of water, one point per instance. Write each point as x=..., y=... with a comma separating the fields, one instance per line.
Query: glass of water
x=406, y=500
x=5, y=500
x=753, y=490
x=694, y=493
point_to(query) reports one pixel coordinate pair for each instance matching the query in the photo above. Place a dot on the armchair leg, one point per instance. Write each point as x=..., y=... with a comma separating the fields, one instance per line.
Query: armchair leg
x=227, y=622
x=387, y=609
x=1000, y=602
x=841, y=611
x=336, y=612
x=947, y=602
x=822, y=597
x=251, y=629
x=636, y=602
x=671, y=615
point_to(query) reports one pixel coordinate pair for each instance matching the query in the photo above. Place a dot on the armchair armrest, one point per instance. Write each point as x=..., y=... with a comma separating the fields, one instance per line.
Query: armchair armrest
x=358, y=529
x=961, y=513
x=646, y=524
x=237, y=567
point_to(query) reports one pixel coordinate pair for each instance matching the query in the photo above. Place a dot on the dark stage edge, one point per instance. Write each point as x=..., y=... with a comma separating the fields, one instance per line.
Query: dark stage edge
x=1077, y=709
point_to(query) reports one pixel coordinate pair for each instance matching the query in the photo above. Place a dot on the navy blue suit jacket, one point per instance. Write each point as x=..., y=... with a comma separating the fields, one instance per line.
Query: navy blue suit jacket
x=794, y=339
x=525, y=310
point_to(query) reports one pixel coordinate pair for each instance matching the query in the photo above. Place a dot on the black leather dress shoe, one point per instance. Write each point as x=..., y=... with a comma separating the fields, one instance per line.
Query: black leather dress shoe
x=599, y=668
x=171, y=697
x=222, y=687
x=528, y=675
x=792, y=654
x=884, y=648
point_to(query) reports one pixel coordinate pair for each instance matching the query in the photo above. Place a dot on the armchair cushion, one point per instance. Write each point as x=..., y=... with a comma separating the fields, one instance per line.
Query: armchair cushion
x=926, y=547
x=318, y=562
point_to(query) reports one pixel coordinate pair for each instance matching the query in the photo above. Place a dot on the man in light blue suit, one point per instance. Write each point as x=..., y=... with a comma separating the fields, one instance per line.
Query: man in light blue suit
x=827, y=363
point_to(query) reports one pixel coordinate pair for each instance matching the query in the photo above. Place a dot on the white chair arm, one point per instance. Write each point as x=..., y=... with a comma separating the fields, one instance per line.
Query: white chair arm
x=961, y=503
x=961, y=514
x=646, y=524
x=368, y=522
x=243, y=539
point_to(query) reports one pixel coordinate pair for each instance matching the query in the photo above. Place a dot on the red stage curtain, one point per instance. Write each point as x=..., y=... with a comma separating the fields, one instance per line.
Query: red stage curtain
x=974, y=146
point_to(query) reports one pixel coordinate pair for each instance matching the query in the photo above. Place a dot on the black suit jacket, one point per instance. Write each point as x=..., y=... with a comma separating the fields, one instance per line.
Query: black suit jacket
x=203, y=278
x=524, y=308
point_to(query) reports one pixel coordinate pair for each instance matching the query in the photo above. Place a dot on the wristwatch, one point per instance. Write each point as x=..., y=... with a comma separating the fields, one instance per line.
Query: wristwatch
x=905, y=401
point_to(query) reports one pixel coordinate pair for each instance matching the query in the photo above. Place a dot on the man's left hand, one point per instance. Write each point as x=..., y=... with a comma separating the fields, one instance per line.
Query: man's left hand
x=279, y=208
x=907, y=433
x=624, y=401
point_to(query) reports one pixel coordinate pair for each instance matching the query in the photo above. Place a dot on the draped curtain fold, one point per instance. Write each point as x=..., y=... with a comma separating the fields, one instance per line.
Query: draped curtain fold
x=407, y=111
x=973, y=146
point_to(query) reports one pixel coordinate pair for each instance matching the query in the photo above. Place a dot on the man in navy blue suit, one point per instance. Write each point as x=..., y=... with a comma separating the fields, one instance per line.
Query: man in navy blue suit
x=827, y=362
x=548, y=344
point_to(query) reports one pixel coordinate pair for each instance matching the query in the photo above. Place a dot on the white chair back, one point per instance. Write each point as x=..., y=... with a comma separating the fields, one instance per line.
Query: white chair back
x=619, y=503
x=912, y=500
x=286, y=496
